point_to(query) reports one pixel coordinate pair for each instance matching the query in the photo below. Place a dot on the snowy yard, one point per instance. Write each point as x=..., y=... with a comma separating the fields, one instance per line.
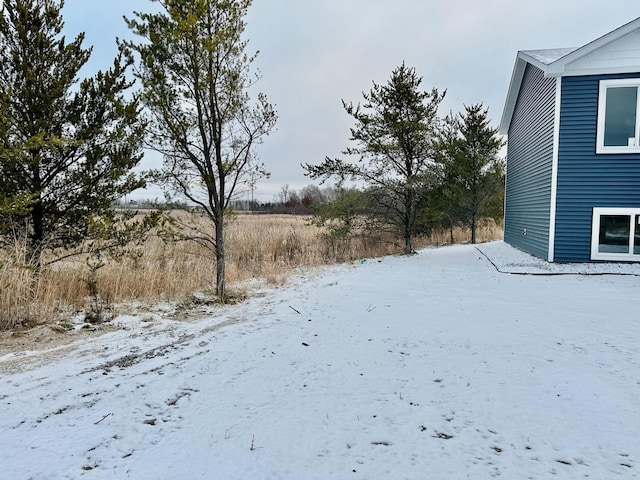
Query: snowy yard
x=435, y=366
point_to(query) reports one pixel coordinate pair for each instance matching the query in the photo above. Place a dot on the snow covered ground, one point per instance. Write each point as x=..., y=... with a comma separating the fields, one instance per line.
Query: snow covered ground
x=434, y=366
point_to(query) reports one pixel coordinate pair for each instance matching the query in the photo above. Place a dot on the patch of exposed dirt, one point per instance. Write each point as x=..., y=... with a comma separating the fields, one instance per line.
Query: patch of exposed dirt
x=28, y=348
x=23, y=349
x=41, y=337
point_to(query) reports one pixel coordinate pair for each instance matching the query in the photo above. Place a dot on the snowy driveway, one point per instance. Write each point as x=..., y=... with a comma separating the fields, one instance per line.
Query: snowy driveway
x=434, y=366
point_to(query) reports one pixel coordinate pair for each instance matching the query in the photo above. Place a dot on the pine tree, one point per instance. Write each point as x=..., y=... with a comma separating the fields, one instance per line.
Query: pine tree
x=394, y=135
x=473, y=177
x=67, y=147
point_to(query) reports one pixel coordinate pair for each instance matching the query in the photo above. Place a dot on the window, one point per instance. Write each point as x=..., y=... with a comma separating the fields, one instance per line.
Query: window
x=615, y=234
x=618, y=114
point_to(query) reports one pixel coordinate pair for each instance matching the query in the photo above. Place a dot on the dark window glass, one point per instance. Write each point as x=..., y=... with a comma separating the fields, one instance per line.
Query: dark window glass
x=636, y=236
x=614, y=234
x=620, y=116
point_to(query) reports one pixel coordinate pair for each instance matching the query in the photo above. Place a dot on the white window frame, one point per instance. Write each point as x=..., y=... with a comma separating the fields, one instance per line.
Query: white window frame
x=595, y=234
x=602, y=108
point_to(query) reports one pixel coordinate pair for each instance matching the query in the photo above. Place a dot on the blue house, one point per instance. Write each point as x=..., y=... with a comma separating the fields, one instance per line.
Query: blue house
x=572, y=117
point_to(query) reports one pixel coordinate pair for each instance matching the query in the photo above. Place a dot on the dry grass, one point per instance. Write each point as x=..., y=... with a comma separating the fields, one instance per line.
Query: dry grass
x=258, y=246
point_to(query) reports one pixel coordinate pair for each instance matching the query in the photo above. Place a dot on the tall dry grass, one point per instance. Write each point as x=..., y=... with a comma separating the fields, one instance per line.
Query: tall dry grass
x=258, y=246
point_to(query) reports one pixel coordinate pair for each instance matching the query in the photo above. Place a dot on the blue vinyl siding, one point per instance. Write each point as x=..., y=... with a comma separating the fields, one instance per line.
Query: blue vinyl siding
x=529, y=164
x=587, y=180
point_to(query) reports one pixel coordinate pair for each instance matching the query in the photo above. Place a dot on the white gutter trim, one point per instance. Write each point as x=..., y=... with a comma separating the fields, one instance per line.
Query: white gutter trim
x=554, y=171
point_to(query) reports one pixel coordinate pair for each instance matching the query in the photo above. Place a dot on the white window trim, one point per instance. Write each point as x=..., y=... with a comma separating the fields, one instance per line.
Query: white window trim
x=602, y=104
x=595, y=234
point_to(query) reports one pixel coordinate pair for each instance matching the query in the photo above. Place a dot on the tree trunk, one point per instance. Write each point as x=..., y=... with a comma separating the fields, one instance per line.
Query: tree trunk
x=409, y=212
x=473, y=229
x=220, y=258
x=37, y=215
x=408, y=250
x=37, y=236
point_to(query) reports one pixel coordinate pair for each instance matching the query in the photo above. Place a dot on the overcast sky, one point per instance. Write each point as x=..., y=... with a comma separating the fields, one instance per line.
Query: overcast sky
x=315, y=53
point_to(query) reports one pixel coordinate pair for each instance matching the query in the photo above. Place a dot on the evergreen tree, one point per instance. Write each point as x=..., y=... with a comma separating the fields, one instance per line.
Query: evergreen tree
x=473, y=178
x=394, y=135
x=195, y=77
x=67, y=147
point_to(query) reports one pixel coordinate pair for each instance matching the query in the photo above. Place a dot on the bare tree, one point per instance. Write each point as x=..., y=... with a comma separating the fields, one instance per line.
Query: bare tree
x=196, y=78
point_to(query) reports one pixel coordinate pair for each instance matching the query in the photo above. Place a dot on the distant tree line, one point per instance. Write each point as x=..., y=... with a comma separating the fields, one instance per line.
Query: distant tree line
x=305, y=201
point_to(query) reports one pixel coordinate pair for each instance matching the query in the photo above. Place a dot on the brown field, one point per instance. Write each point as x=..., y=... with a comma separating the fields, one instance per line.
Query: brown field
x=258, y=246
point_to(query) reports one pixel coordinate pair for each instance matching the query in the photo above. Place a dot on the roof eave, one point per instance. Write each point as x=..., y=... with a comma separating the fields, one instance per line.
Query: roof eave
x=532, y=60
x=558, y=67
x=514, y=89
